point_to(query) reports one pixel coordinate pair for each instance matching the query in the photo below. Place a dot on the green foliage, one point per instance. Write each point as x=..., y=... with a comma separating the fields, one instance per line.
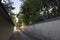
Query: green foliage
x=21, y=16
x=13, y=17
x=8, y=5
x=31, y=11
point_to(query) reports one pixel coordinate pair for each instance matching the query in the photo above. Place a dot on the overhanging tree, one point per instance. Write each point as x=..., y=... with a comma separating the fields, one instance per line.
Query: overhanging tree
x=31, y=7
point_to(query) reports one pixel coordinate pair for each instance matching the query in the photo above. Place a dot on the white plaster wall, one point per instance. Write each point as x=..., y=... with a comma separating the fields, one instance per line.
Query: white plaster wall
x=49, y=29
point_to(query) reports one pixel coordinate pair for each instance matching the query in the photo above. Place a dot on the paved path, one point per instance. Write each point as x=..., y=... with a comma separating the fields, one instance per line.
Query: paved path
x=15, y=36
x=22, y=36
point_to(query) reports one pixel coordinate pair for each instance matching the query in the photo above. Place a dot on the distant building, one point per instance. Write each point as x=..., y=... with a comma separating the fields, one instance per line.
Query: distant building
x=6, y=24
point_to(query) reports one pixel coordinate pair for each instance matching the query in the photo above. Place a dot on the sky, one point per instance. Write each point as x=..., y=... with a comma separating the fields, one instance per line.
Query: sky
x=17, y=5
